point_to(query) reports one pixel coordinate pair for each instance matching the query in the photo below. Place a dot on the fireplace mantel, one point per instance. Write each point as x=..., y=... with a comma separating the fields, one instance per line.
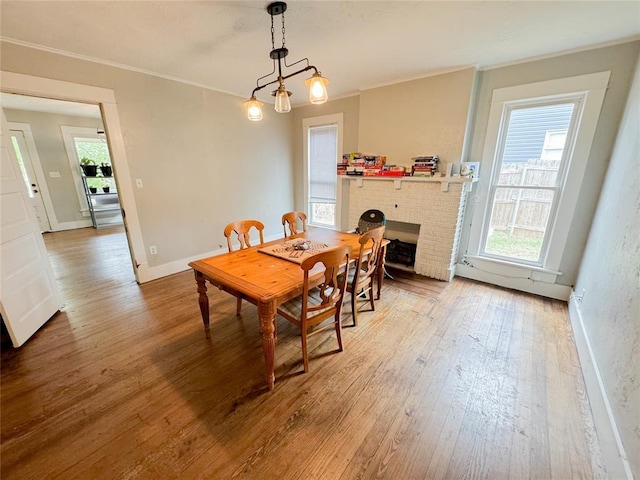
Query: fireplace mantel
x=397, y=181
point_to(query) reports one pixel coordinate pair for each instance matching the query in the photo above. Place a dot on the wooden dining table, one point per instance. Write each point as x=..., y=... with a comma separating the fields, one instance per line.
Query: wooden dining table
x=266, y=281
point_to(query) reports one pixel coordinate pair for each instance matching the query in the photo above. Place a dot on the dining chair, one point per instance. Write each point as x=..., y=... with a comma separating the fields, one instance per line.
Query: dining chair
x=371, y=219
x=360, y=282
x=319, y=302
x=241, y=230
x=291, y=220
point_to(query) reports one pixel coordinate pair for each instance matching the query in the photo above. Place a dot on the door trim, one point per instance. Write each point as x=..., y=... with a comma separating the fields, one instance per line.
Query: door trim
x=45, y=87
x=25, y=128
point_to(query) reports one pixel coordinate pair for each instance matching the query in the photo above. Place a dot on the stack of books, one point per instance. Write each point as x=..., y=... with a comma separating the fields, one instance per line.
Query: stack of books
x=357, y=163
x=424, y=165
x=393, y=171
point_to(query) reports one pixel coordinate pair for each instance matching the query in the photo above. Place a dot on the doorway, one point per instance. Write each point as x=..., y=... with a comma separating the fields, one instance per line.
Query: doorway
x=44, y=133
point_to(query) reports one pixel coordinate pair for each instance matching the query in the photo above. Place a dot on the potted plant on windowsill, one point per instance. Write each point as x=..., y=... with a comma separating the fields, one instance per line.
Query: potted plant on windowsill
x=106, y=169
x=89, y=167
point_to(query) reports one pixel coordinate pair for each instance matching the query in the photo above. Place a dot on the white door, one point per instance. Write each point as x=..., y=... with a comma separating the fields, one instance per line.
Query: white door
x=29, y=174
x=29, y=295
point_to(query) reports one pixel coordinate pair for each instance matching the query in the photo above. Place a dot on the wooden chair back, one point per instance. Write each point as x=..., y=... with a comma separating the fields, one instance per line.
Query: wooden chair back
x=320, y=302
x=331, y=290
x=290, y=220
x=366, y=268
x=241, y=230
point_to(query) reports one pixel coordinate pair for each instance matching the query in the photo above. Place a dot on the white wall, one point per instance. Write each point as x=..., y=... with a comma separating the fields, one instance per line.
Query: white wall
x=202, y=163
x=609, y=286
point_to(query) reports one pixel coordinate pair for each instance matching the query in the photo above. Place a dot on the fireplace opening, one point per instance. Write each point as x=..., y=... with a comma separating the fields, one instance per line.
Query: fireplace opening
x=403, y=238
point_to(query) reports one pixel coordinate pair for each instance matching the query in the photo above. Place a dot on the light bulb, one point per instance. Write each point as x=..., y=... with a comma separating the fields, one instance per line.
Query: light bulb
x=282, y=100
x=317, y=88
x=254, y=112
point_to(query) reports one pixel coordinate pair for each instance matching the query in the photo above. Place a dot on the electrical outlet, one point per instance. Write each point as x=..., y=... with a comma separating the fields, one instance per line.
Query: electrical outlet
x=153, y=250
x=139, y=183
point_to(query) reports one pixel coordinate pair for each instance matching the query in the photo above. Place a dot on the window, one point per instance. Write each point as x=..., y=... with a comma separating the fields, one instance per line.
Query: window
x=82, y=142
x=536, y=149
x=322, y=143
x=527, y=180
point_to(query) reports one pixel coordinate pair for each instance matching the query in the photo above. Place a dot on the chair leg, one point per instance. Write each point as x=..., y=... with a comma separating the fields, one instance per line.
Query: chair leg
x=338, y=323
x=354, y=308
x=373, y=307
x=238, y=306
x=305, y=358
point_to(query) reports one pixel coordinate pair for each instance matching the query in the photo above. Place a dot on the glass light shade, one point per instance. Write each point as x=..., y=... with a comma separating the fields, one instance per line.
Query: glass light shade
x=282, y=100
x=254, y=112
x=317, y=88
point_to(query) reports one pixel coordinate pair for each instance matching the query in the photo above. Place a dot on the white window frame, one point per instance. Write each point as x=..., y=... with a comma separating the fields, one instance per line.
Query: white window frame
x=69, y=134
x=508, y=107
x=308, y=123
x=591, y=88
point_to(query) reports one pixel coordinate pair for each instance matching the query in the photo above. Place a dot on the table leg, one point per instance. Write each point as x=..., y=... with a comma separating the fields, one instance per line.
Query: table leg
x=267, y=314
x=203, y=300
x=380, y=273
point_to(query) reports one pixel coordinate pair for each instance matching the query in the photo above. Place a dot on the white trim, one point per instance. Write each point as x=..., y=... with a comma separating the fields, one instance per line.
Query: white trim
x=592, y=87
x=73, y=225
x=147, y=273
x=533, y=283
x=32, y=151
x=333, y=119
x=45, y=87
x=613, y=454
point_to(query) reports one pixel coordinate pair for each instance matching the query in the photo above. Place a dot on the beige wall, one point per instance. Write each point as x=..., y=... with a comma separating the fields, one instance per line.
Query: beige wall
x=421, y=117
x=350, y=109
x=47, y=136
x=202, y=163
x=620, y=60
x=610, y=280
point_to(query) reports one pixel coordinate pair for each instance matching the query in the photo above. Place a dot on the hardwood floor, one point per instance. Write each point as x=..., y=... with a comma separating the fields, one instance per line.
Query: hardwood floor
x=444, y=381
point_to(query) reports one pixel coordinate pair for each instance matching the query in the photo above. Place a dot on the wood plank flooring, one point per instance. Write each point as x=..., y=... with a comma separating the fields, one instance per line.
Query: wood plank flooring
x=443, y=381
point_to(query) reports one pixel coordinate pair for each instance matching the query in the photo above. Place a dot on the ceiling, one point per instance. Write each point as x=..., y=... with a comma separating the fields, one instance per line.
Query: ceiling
x=224, y=45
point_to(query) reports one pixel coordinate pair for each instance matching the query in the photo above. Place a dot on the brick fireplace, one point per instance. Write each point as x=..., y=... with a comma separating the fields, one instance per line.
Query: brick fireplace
x=435, y=204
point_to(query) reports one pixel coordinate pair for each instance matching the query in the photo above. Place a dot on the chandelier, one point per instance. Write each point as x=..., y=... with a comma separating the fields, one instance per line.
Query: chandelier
x=316, y=83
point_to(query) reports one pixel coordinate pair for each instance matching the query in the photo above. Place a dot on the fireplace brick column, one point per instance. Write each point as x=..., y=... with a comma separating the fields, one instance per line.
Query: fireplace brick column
x=438, y=212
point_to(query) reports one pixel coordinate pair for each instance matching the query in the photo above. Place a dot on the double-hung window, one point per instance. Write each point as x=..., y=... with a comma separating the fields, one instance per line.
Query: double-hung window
x=322, y=145
x=527, y=178
x=536, y=148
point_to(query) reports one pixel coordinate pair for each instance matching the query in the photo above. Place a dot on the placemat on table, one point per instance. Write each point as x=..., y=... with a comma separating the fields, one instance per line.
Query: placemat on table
x=286, y=250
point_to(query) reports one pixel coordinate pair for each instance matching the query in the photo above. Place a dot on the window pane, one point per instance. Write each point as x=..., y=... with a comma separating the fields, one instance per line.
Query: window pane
x=27, y=182
x=92, y=148
x=519, y=219
x=534, y=144
x=323, y=213
x=323, y=154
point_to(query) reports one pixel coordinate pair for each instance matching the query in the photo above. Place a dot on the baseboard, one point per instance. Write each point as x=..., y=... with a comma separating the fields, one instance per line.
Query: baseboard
x=146, y=273
x=60, y=226
x=544, y=289
x=613, y=454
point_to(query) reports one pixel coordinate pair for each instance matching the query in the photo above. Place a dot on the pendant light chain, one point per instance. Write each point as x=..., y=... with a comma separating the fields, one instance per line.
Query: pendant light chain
x=273, y=32
x=282, y=16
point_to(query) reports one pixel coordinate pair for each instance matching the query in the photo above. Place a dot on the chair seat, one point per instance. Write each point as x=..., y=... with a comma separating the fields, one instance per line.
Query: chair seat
x=293, y=307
